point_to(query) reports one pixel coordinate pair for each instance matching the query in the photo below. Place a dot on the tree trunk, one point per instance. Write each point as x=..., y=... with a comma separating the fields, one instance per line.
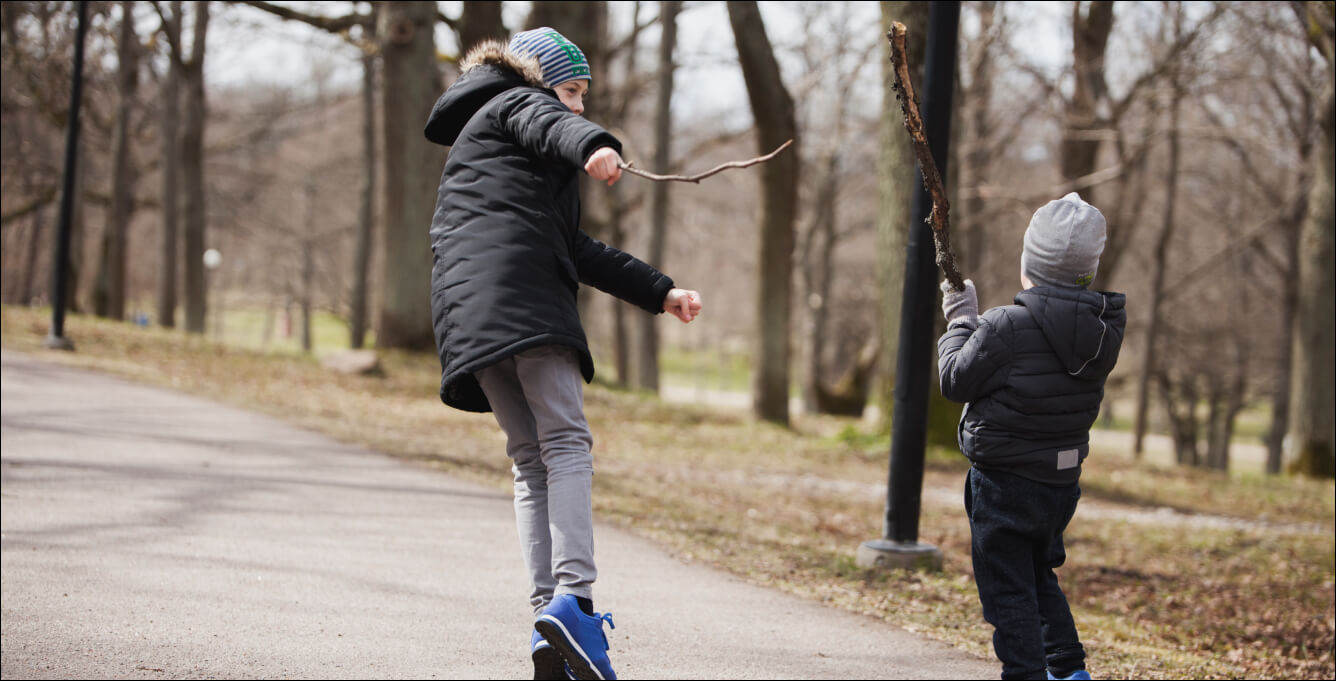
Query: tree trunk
x=1090, y=39
x=618, y=209
x=480, y=20
x=109, y=296
x=647, y=351
x=1158, y=266
x=977, y=159
x=366, y=224
x=1124, y=215
x=1313, y=367
x=896, y=177
x=1219, y=428
x=1179, y=397
x=29, y=289
x=192, y=175
x=1280, y=397
x=817, y=257
x=773, y=110
x=168, y=248
x=308, y=264
x=412, y=167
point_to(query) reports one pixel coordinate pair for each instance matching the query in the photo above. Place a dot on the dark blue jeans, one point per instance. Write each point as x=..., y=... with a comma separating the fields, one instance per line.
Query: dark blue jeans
x=1016, y=528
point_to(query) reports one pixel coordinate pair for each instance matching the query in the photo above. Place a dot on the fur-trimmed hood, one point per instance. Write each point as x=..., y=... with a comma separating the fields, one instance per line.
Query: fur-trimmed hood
x=488, y=70
x=495, y=52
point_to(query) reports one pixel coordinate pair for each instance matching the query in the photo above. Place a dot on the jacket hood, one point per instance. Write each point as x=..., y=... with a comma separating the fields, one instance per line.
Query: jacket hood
x=488, y=70
x=1085, y=328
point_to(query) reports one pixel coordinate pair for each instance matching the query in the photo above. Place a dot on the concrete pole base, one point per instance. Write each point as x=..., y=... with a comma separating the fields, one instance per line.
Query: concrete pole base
x=57, y=343
x=894, y=555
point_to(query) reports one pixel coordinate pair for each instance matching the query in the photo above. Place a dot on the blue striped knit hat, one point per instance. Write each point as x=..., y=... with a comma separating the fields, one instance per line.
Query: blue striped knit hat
x=559, y=58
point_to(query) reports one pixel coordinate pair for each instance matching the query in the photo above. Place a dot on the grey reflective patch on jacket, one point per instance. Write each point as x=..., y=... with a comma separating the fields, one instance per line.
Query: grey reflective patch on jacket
x=1069, y=458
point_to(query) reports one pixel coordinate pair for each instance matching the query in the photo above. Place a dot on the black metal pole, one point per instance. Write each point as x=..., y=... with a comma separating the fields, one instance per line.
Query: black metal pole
x=61, y=267
x=919, y=307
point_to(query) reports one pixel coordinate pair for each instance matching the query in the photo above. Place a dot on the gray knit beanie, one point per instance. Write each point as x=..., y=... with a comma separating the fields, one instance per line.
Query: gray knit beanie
x=559, y=58
x=1063, y=243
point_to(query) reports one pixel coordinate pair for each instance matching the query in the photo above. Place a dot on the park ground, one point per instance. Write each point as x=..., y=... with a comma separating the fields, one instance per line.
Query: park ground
x=1172, y=573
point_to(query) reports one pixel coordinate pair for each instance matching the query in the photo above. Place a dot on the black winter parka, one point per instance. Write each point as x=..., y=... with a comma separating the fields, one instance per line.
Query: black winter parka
x=508, y=252
x=1033, y=377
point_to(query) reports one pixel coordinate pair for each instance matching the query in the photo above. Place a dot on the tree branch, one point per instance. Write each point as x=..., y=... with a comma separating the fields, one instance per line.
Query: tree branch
x=695, y=179
x=331, y=24
x=43, y=198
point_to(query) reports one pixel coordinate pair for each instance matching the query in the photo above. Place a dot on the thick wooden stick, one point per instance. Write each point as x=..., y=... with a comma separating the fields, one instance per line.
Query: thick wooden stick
x=695, y=179
x=904, y=90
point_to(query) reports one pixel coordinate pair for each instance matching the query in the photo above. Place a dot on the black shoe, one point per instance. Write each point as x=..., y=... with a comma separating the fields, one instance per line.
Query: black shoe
x=547, y=662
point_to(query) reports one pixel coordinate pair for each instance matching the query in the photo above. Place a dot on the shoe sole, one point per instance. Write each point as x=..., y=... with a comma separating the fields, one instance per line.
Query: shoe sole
x=556, y=634
x=548, y=665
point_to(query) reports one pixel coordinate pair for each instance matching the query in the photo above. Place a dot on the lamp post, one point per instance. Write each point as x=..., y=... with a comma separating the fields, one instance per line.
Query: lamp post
x=212, y=259
x=56, y=339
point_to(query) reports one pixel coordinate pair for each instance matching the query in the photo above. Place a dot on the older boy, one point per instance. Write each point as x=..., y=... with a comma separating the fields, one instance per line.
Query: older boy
x=1032, y=375
x=508, y=258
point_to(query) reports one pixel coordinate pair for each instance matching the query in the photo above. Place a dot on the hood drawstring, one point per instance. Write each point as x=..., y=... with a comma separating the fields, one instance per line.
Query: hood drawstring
x=1103, y=328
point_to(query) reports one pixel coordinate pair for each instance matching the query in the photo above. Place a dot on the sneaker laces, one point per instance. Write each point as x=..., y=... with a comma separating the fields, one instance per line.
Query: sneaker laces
x=605, y=617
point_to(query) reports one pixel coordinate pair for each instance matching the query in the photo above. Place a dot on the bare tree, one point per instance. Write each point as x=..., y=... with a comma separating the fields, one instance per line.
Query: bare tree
x=773, y=109
x=1161, y=254
x=1090, y=93
x=412, y=84
x=109, y=288
x=619, y=206
x=1312, y=432
x=366, y=223
x=834, y=55
x=1093, y=113
x=647, y=350
x=168, y=239
x=191, y=155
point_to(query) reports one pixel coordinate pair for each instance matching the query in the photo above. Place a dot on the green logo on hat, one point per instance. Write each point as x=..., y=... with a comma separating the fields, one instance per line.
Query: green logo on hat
x=571, y=50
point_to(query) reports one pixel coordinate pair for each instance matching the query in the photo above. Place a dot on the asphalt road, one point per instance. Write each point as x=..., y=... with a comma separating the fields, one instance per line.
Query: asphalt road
x=152, y=534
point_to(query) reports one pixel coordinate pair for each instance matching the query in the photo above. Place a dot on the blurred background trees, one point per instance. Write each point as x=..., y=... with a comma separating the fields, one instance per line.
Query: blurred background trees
x=1203, y=131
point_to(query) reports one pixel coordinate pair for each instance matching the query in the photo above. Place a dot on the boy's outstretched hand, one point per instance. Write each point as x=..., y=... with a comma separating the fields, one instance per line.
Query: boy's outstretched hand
x=682, y=303
x=605, y=164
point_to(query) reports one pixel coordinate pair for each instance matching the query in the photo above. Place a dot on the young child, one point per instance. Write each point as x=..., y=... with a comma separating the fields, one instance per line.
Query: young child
x=1032, y=375
x=509, y=256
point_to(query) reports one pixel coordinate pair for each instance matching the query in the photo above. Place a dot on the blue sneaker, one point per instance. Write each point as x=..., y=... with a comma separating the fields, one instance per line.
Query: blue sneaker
x=547, y=662
x=578, y=637
x=1079, y=675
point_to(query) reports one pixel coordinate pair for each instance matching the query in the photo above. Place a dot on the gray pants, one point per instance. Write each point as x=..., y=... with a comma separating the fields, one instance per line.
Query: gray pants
x=538, y=399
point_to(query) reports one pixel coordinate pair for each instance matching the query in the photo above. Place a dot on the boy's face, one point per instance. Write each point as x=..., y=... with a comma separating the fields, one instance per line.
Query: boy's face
x=572, y=94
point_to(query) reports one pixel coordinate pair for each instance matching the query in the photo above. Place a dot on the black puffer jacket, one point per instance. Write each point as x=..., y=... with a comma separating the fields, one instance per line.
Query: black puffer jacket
x=1033, y=376
x=507, y=246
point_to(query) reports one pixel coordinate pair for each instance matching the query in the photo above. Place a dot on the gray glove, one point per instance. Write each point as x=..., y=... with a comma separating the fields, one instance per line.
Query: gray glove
x=960, y=307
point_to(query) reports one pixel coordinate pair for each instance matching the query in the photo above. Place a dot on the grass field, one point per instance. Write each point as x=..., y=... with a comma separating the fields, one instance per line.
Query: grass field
x=1172, y=573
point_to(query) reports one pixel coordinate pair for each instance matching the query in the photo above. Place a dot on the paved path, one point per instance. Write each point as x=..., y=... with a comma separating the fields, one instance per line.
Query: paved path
x=151, y=534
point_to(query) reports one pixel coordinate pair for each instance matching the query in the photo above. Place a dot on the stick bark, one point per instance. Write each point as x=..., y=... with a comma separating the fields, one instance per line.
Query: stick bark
x=695, y=179
x=932, y=180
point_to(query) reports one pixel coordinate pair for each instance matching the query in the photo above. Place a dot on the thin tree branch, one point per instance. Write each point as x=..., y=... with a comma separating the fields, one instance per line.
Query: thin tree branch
x=44, y=198
x=1185, y=282
x=331, y=24
x=695, y=179
x=904, y=89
